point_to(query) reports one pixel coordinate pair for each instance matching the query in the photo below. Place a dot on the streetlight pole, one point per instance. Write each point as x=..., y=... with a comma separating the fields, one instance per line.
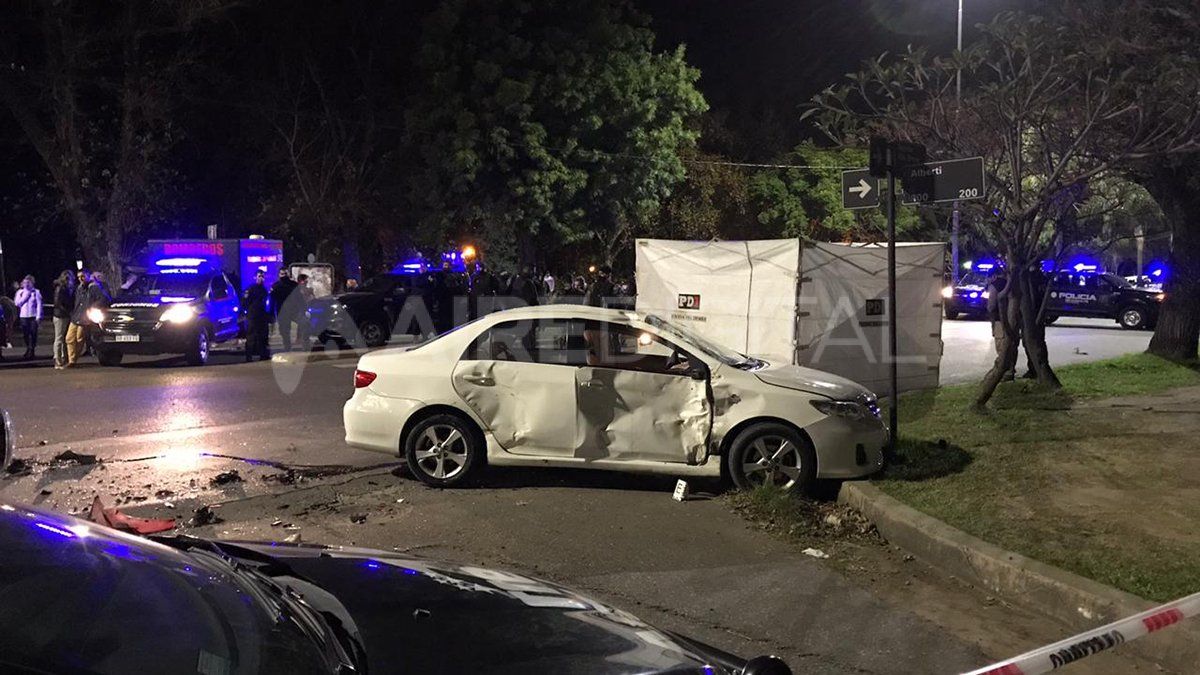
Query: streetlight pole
x=954, y=227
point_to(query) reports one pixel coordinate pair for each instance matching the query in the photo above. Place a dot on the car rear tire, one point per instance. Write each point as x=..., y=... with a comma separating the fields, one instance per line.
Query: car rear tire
x=371, y=333
x=951, y=314
x=197, y=354
x=1051, y=318
x=775, y=454
x=1132, y=318
x=109, y=357
x=444, y=451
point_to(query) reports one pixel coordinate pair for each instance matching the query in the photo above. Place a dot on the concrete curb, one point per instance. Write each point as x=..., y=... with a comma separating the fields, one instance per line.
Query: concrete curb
x=1081, y=603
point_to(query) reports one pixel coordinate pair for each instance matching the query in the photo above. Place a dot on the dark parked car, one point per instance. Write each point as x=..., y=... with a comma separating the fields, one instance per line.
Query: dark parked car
x=968, y=297
x=368, y=316
x=1101, y=295
x=173, y=310
x=76, y=597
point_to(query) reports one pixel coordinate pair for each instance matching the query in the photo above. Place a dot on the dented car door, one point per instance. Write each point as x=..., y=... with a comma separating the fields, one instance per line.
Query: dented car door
x=527, y=405
x=640, y=398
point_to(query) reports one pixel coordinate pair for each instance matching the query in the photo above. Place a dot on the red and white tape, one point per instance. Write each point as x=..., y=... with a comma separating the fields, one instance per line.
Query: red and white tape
x=1059, y=654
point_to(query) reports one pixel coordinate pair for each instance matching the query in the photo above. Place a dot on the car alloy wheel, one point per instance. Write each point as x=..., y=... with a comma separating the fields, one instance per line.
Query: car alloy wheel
x=1132, y=318
x=772, y=460
x=441, y=451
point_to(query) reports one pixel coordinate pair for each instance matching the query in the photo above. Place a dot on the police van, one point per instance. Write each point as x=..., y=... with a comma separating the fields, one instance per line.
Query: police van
x=970, y=295
x=185, y=299
x=1087, y=292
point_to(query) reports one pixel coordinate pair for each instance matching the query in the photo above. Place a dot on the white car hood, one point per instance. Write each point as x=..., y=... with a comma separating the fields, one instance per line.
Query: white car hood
x=812, y=381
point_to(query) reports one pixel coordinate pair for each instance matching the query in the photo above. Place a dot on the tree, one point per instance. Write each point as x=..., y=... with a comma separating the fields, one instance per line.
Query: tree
x=541, y=115
x=712, y=202
x=90, y=86
x=1050, y=109
x=807, y=202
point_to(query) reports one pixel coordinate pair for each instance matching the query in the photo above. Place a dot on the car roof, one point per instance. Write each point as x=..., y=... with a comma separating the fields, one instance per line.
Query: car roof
x=565, y=311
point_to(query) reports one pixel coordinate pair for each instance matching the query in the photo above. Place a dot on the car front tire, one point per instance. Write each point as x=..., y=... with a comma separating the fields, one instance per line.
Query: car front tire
x=1132, y=318
x=775, y=454
x=372, y=333
x=197, y=354
x=951, y=314
x=444, y=451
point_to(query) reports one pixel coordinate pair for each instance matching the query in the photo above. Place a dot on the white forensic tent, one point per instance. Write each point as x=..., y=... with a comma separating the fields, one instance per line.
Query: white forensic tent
x=823, y=306
x=842, y=331
x=741, y=294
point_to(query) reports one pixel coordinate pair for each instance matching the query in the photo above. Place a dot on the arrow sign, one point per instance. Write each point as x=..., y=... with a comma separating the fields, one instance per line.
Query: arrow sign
x=949, y=181
x=859, y=190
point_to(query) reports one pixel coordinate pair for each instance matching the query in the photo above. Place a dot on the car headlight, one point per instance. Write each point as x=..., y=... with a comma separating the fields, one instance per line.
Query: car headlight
x=178, y=314
x=95, y=315
x=1160, y=297
x=984, y=295
x=948, y=292
x=852, y=410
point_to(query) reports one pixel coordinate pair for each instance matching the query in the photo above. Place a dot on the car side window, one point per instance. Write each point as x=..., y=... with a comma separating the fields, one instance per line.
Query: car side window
x=218, y=288
x=558, y=342
x=622, y=347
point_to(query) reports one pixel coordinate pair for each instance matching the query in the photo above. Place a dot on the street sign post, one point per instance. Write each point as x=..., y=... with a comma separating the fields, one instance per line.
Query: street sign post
x=953, y=180
x=860, y=190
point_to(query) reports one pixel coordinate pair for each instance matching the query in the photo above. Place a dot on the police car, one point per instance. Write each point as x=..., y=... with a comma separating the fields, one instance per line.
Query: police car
x=969, y=296
x=1086, y=292
x=180, y=306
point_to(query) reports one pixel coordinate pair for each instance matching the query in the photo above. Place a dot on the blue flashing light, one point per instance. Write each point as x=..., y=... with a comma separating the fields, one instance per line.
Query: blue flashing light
x=175, y=299
x=974, y=294
x=1047, y=266
x=1084, y=267
x=180, y=262
x=372, y=564
x=411, y=572
x=1156, y=273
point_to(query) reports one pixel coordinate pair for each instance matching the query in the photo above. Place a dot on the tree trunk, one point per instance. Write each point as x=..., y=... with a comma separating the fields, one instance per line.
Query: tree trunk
x=1033, y=330
x=1177, y=334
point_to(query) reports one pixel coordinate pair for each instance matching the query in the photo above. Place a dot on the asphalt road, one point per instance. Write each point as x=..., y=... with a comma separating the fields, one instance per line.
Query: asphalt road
x=968, y=350
x=166, y=434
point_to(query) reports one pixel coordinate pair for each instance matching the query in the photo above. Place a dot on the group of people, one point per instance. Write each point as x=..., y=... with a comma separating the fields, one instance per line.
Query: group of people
x=73, y=296
x=283, y=305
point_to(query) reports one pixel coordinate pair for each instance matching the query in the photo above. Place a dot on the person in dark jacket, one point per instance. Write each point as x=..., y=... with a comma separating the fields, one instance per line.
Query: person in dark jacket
x=285, y=307
x=601, y=290
x=64, y=305
x=524, y=287
x=258, y=318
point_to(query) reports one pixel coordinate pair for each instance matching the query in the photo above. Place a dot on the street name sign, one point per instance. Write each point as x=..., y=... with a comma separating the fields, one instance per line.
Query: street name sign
x=953, y=180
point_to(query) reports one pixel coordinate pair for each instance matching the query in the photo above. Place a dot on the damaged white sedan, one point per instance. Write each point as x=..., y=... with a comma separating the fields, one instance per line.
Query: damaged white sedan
x=575, y=386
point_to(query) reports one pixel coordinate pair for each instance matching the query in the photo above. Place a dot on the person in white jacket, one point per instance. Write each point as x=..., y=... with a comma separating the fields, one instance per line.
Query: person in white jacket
x=29, y=308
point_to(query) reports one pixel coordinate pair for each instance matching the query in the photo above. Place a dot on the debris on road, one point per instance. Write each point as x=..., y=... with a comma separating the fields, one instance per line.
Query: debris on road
x=226, y=478
x=358, y=518
x=18, y=467
x=292, y=538
x=115, y=519
x=72, y=457
x=204, y=516
x=164, y=493
x=682, y=490
x=815, y=552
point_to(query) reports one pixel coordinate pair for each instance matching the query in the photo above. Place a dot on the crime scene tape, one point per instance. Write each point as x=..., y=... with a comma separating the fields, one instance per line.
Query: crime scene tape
x=1059, y=654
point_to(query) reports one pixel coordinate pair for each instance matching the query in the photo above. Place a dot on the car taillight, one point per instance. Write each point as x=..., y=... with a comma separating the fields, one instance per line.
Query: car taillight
x=363, y=379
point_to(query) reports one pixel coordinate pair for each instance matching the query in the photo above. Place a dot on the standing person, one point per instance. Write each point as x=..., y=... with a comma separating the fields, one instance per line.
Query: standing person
x=64, y=303
x=258, y=318
x=76, y=331
x=29, y=305
x=523, y=286
x=601, y=290
x=10, y=319
x=306, y=295
x=284, y=306
x=1006, y=342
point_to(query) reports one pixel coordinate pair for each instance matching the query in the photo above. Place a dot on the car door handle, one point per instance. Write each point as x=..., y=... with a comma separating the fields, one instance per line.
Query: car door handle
x=594, y=384
x=481, y=380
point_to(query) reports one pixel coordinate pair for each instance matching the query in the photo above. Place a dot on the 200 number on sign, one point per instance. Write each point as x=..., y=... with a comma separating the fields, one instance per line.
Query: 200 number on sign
x=968, y=193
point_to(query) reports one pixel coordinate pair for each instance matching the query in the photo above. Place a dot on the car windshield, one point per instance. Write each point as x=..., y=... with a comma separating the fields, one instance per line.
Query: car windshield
x=719, y=352
x=1117, y=281
x=973, y=279
x=189, y=284
x=382, y=283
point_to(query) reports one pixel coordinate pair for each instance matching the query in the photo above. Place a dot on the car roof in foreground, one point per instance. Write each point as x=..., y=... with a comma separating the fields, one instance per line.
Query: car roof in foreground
x=566, y=311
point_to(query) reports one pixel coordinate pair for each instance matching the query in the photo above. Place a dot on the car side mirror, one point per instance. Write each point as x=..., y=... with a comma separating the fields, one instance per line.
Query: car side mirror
x=766, y=665
x=8, y=439
x=698, y=374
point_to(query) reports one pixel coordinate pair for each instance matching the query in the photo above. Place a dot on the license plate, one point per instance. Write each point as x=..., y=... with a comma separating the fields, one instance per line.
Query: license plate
x=126, y=338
